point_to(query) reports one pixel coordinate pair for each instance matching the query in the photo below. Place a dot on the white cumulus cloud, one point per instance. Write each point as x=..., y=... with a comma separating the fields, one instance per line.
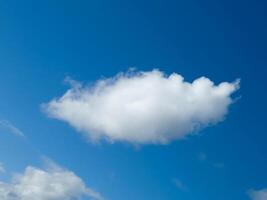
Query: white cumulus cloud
x=258, y=194
x=143, y=107
x=52, y=184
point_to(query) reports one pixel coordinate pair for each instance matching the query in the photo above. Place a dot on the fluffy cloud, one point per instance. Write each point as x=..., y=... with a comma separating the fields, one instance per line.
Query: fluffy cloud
x=258, y=194
x=53, y=184
x=143, y=107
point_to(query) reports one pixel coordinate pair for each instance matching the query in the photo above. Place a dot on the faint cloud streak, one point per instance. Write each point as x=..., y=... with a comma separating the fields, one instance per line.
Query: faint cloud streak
x=12, y=128
x=2, y=168
x=202, y=157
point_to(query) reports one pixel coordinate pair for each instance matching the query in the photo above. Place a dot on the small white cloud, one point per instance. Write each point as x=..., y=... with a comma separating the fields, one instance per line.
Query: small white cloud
x=258, y=194
x=13, y=129
x=143, y=107
x=54, y=183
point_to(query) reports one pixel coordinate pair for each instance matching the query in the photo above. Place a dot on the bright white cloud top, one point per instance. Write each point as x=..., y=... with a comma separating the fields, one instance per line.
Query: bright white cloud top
x=258, y=194
x=143, y=107
x=52, y=184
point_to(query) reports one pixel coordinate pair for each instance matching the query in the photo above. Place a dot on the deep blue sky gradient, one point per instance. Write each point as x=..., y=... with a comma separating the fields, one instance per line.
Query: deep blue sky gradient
x=42, y=42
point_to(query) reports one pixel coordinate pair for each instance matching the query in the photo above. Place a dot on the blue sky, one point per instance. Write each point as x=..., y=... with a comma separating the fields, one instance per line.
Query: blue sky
x=42, y=43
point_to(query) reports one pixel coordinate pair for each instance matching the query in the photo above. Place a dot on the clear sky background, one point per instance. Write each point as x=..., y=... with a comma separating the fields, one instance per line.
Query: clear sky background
x=43, y=42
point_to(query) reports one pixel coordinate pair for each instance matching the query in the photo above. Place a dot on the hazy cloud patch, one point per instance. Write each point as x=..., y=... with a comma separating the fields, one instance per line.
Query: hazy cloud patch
x=202, y=157
x=258, y=194
x=180, y=185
